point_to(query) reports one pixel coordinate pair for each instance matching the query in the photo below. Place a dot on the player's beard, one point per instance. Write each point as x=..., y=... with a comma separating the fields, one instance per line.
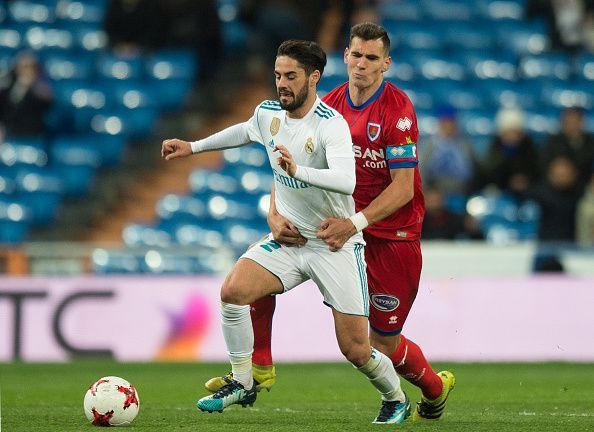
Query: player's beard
x=298, y=100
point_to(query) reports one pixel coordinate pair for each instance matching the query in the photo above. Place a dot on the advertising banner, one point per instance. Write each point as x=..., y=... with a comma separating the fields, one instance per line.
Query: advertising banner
x=152, y=318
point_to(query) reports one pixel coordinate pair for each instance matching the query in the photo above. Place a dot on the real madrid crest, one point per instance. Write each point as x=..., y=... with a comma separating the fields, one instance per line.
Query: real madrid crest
x=309, y=146
x=274, y=126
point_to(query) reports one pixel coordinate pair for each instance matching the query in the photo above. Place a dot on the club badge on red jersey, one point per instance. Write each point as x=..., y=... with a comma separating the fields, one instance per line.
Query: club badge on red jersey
x=373, y=130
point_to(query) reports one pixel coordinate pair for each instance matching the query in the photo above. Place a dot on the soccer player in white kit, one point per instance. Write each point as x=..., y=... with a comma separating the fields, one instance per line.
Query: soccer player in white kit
x=310, y=151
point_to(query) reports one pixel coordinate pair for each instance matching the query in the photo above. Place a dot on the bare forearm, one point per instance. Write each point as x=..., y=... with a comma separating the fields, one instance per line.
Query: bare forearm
x=393, y=198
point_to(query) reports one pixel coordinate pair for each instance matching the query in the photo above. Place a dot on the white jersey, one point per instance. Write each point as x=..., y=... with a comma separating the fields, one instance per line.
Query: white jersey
x=321, y=134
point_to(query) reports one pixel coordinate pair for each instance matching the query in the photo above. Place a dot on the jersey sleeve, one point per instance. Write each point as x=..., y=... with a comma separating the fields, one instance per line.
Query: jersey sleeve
x=403, y=135
x=337, y=139
x=253, y=125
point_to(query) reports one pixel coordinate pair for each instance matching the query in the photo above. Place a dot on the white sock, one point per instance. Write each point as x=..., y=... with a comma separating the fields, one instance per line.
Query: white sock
x=239, y=337
x=383, y=376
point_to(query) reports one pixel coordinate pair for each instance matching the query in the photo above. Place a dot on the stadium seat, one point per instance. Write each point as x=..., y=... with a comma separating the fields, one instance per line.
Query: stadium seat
x=251, y=156
x=42, y=193
x=204, y=183
x=2, y=11
x=483, y=64
x=523, y=37
x=10, y=38
x=459, y=10
x=543, y=122
x=504, y=93
x=68, y=66
x=172, y=64
x=428, y=122
x=174, y=210
x=408, y=35
x=76, y=165
x=109, y=147
x=7, y=185
x=14, y=221
x=241, y=235
x=114, y=262
x=171, y=93
x=196, y=235
x=468, y=35
x=477, y=122
x=500, y=9
x=43, y=38
x=585, y=66
x=159, y=262
x=459, y=95
x=118, y=67
x=138, y=235
x=431, y=66
x=28, y=11
x=546, y=65
x=421, y=98
x=90, y=38
x=81, y=11
x=16, y=156
x=562, y=94
x=404, y=10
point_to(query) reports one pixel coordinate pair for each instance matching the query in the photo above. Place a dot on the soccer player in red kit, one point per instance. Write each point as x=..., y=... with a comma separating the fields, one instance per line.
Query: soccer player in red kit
x=390, y=209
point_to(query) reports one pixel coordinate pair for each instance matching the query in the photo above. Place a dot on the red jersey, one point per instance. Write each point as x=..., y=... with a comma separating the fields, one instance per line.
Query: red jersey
x=385, y=135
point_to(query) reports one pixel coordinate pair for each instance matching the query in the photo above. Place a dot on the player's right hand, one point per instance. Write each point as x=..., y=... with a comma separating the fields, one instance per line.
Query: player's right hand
x=174, y=148
x=284, y=231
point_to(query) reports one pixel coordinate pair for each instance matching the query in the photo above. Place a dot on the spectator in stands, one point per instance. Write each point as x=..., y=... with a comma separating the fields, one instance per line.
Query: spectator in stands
x=134, y=26
x=511, y=162
x=443, y=223
x=448, y=158
x=558, y=195
x=573, y=142
x=585, y=216
x=570, y=21
x=25, y=99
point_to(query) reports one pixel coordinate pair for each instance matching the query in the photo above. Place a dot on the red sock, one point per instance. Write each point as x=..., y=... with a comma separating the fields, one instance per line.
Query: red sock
x=410, y=363
x=261, y=312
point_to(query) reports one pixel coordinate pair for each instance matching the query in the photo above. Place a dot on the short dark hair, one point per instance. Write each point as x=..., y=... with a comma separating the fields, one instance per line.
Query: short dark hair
x=309, y=54
x=370, y=31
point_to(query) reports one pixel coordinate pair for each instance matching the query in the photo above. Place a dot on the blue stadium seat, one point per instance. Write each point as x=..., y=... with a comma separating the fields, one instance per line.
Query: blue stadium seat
x=69, y=65
x=138, y=235
x=172, y=93
x=7, y=185
x=477, y=122
x=76, y=165
x=28, y=11
x=468, y=35
x=10, y=38
x=585, y=66
x=238, y=207
x=431, y=66
x=159, y=262
x=546, y=65
x=2, y=11
x=204, y=183
x=543, y=122
x=196, y=235
x=523, y=37
x=89, y=38
x=114, y=262
x=81, y=11
x=172, y=64
x=109, y=147
x=42, y=193
x=447, y=9
x=14, y=221
x=131, y=94
x=500, y=9
x=484, y=64
x=505, y=93
x=255, y=182
x=44, y=38
x=562, y=94
x=118, y=67
x=411, y=36
x=21, y=156
x=404, y=10
x=241, y=235
x=428, y=122
x=457, y=94
x=176, y=210
x=421, y=98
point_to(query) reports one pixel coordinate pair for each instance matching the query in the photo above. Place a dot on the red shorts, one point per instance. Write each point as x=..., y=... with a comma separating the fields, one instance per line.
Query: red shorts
x=393, y=274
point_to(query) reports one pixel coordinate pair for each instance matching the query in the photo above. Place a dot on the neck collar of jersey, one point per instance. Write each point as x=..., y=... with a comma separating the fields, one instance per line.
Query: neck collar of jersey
x=368, y=101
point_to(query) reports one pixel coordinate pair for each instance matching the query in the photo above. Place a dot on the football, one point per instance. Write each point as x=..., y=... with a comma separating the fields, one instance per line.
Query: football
x=111, y=401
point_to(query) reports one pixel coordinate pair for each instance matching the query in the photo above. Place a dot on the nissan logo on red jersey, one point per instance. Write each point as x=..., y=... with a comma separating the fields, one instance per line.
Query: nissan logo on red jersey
x=384, y=302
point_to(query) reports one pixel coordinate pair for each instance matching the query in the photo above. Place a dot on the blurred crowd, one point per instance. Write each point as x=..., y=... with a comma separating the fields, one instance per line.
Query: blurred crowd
x=556, y=172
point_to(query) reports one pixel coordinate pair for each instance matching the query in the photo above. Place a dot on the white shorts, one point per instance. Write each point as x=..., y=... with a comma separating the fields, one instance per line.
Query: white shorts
x=340, y=276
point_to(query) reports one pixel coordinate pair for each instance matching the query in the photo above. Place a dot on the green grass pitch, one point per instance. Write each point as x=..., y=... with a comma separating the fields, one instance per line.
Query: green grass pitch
x=307, y=397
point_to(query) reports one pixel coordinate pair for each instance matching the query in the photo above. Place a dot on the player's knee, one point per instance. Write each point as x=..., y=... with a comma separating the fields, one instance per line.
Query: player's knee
x=357, y=353
x=234, y=293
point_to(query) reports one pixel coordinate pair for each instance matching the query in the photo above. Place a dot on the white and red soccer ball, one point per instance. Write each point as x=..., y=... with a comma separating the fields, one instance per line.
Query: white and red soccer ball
x=111, y=401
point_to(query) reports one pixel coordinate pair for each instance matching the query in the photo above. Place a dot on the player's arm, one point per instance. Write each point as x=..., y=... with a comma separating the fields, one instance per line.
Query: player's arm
x=283, y=231
x=233, y=136
x=340, y=174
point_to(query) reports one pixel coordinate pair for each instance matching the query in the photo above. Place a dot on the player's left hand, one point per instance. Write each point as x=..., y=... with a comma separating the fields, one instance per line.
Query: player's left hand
x=286, y=161
x=335, y=232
